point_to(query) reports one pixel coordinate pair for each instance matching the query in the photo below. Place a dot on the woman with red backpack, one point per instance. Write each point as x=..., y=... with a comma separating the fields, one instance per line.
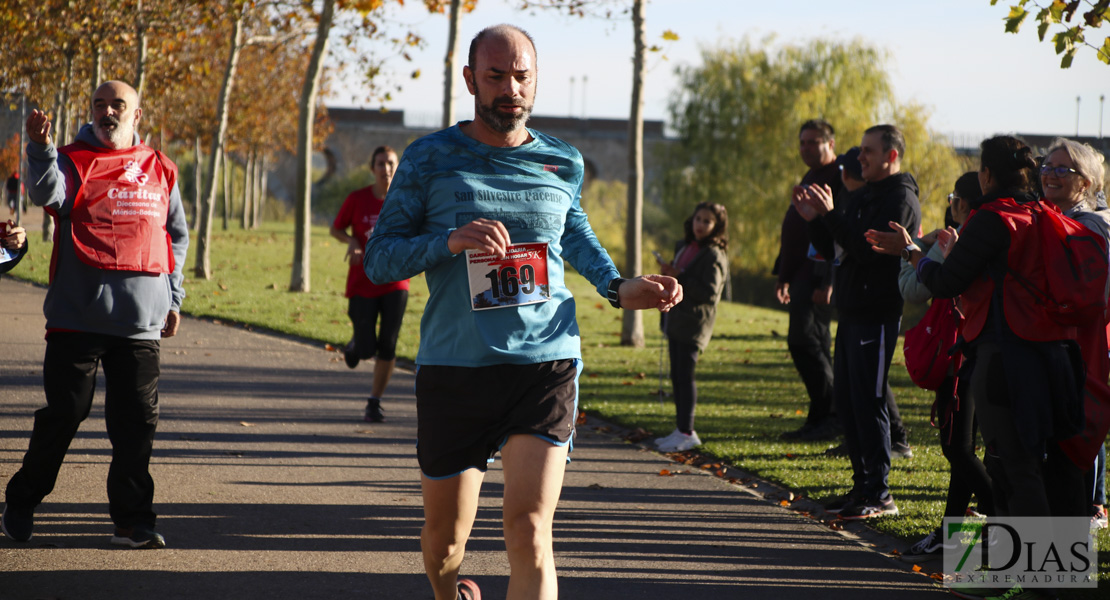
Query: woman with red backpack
x=1028, y=375
x=1072, y=179
x=953, y=409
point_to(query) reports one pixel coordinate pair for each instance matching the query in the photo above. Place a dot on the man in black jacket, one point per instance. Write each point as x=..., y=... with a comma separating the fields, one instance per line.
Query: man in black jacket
x=804, y=284
x=869, y=307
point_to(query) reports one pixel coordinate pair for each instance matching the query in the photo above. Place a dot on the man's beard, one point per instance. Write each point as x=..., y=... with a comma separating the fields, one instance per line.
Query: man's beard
x=499, y=121
x=115, y=137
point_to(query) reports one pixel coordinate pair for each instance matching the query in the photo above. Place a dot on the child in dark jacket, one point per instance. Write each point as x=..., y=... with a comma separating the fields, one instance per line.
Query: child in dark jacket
x=701, y=266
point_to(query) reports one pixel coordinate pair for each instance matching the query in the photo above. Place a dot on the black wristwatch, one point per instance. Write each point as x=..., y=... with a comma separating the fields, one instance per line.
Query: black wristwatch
x=907, y=252
x=614, y=286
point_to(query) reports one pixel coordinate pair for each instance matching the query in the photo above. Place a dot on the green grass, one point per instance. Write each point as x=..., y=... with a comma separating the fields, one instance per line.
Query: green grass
x=748, y=390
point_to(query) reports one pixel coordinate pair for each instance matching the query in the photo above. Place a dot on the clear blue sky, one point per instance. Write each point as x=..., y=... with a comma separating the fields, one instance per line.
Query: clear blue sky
x=951, y=55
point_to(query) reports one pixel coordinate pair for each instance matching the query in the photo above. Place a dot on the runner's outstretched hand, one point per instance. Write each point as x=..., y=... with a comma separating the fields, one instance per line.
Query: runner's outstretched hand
x=650, y=291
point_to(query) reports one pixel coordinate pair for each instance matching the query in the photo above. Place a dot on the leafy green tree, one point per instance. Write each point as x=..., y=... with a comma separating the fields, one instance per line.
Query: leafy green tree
x=1071, y=32
x=737, y=116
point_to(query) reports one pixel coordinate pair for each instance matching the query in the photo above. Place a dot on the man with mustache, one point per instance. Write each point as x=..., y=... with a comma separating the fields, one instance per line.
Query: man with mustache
x=115, y=290
x=489, y=209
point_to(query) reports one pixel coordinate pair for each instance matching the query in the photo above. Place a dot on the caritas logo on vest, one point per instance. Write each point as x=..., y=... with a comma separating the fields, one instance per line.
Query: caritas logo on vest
x=134, y=201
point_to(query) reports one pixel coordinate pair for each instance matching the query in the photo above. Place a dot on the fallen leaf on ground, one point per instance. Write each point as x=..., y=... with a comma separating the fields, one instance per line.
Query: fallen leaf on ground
x=665, y=473
x=595, y=486
x=245, y=424
x=917, y=568
x=581, y=419
x=330, y=348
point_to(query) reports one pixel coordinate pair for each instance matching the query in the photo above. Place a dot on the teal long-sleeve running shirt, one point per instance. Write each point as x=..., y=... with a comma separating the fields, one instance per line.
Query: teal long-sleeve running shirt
x=446, y=180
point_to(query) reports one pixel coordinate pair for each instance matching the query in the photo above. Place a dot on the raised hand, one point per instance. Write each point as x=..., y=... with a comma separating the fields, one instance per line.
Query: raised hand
x=889, y=242
x=947, y=239
x=38, y=127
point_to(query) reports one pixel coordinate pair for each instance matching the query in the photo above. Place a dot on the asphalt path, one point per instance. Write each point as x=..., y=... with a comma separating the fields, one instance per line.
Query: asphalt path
x=269, y=485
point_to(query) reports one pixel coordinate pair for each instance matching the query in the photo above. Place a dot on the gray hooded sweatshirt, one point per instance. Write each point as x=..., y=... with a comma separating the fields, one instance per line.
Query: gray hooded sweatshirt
x=85, y=298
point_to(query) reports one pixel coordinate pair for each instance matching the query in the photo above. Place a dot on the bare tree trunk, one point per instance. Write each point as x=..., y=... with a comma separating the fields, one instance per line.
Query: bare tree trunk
x=245, y=216
x=449, y=64
x=198, y=181
x=97, y=68
x=256, y=192
x=226, y=179
x=300, y=279
x=632, y=324
x=248, y=199
x=140, y=50
x=202, y=263
x=263, y=181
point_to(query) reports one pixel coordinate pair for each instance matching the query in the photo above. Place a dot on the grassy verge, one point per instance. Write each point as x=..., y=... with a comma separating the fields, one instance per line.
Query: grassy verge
x=748, y=390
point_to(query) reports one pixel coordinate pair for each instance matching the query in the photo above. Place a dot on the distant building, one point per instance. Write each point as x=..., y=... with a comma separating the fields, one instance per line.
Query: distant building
x=602, y=142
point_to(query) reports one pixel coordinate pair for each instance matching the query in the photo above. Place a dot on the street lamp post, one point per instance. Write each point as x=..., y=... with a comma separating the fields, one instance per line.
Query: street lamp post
x=1101, y=101
x=1077, y=116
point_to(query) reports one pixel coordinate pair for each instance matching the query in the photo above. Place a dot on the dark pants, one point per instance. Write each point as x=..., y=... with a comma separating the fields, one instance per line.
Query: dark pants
x=684, y=359
x=810, y=344
x=956, y=413
x=1096, y=478
x=365, y=314
x=131, y=370
x=1031, y=477
x=863, y=354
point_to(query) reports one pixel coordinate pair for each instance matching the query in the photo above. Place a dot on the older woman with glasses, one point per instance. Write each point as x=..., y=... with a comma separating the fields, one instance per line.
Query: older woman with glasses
x=1072, y=179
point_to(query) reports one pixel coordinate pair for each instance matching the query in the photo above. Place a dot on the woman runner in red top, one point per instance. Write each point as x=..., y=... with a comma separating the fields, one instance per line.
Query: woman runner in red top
x=368, y=300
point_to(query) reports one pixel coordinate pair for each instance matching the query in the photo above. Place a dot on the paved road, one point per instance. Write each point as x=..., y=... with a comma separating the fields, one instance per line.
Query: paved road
x=269, y=486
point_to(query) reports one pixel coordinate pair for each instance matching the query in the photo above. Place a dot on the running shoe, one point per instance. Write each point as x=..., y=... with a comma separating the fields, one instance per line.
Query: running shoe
x=374, y=412
x=349, y=355
x=678, y=442
x=17, y=524
x=468, y=590
x=839, y=504
x=837, y=451
x=1099, y=520
x=868, y=509
x=901, y=450
x=139, y=536
x=930, y=544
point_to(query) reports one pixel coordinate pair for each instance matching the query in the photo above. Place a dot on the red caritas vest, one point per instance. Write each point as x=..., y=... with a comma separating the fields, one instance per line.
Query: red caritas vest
x=119, y=215
x=1025, y=316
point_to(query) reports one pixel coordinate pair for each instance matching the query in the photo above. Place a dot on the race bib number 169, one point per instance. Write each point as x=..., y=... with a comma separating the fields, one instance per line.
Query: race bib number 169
x=517, y=279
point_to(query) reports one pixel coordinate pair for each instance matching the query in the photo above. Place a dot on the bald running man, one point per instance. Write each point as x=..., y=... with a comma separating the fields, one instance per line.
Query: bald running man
x=489, y=210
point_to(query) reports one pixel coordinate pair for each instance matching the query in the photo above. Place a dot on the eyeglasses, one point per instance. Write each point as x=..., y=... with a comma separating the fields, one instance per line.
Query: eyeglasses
x=1058, y=171
x=952, y=197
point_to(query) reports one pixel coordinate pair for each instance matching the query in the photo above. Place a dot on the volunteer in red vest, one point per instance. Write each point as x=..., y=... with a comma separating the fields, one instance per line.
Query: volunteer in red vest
x=1027, y=378
x=116, y=289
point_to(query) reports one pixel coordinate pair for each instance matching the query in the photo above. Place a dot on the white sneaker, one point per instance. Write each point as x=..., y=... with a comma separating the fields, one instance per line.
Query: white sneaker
x=671, y=438
x=678, y=442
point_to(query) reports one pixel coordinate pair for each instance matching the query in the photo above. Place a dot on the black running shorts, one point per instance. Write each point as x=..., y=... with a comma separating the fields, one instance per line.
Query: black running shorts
x=466, y=414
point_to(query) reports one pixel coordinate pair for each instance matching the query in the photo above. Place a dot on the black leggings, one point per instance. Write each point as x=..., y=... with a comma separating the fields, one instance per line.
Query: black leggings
x=364, y=313
x=957, y=441
x=684, y=360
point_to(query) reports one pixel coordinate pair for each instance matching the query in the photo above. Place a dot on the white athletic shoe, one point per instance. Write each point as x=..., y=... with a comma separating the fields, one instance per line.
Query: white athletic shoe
x=678, y=441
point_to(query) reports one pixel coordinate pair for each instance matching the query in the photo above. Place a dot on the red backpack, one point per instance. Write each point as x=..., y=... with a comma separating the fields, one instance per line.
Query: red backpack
x=926, y=345
x=1075, y=266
